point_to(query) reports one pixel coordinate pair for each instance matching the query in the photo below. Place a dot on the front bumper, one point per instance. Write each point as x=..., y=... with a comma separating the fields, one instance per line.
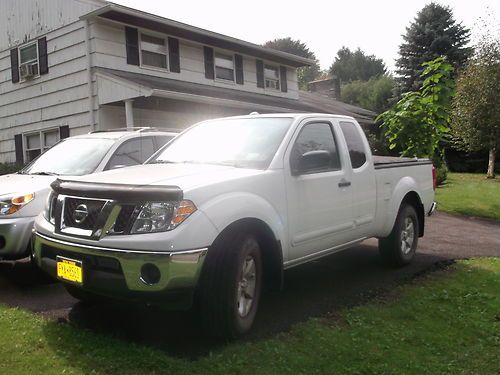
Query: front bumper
x=117, y=273
x=15, y=235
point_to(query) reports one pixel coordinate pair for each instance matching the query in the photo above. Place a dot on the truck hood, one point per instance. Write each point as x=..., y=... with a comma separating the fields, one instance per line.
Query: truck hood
x=24, y=183
x=186, y=176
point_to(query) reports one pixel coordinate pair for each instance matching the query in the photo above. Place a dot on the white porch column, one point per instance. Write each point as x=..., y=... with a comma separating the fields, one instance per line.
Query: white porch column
x=129, y=113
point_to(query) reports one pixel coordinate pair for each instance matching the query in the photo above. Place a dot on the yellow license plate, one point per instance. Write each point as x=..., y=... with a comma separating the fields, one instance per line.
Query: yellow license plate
x=69, y=270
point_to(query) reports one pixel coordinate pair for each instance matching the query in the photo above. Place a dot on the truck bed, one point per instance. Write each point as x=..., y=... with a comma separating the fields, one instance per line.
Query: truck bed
x=381, y=162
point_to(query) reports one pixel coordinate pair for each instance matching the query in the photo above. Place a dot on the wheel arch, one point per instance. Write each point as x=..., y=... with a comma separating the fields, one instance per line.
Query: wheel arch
x=271, y=251
x=413, y=199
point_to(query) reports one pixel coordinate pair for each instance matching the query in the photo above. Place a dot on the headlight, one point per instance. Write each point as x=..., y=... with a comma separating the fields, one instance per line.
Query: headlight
x=162, y=216
x=12, y=203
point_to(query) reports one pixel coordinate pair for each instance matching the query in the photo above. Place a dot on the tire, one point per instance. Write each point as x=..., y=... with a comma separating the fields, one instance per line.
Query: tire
x=230, y=285
x=398, y=249
x=84, y=296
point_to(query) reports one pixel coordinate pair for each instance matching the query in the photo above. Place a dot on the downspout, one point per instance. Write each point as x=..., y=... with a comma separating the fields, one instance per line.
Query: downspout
x=90, y=84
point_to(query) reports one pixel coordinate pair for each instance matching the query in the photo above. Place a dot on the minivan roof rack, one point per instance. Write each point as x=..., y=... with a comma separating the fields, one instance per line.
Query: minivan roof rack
x=141, y=129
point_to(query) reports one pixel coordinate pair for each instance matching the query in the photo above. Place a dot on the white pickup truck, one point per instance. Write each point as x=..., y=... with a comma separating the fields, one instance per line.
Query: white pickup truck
x=224, y=208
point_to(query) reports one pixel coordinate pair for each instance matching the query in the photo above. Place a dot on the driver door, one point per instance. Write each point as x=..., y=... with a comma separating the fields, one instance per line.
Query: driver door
x=318, y=190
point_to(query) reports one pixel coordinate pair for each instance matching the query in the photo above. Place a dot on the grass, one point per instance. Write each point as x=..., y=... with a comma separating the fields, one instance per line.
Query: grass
x=446, y=323
x=470, y=194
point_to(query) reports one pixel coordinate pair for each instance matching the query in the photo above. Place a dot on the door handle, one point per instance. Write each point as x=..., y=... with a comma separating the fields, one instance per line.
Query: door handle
x=343, y=183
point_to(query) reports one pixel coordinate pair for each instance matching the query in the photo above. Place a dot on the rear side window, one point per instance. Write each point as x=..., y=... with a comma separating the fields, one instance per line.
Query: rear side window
x=315, y=137
x=355, y=144
x=132, y=152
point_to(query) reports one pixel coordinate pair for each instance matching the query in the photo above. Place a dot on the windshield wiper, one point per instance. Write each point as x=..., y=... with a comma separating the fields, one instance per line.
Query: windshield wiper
x=45, y=173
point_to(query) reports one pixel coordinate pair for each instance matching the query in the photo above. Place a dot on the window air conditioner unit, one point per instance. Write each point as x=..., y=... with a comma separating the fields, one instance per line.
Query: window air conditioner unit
x=28, y=70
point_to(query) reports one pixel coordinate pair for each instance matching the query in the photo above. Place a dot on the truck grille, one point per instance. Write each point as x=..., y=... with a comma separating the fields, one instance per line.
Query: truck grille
x=82, y=213
x=124, y=219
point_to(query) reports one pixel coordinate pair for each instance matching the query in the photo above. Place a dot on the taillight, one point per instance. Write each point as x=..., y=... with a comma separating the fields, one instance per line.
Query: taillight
x=434, y=178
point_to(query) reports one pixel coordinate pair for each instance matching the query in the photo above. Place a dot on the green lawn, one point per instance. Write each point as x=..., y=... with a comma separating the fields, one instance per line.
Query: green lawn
x=445, y=323
x=470, y=194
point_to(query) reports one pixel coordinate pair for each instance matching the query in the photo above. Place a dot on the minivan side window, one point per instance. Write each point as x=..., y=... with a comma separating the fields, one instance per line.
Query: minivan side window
x=132, y=152
x=315, y=138
x=355, y=144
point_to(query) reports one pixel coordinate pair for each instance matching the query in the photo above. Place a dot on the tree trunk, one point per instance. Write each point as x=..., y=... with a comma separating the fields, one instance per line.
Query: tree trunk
x=491, y=163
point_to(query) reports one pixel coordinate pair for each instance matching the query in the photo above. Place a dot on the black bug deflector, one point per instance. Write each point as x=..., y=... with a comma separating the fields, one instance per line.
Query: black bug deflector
x=117, y=192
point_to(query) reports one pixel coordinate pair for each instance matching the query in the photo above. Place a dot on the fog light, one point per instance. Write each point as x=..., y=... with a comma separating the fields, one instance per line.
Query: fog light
x=150, y=274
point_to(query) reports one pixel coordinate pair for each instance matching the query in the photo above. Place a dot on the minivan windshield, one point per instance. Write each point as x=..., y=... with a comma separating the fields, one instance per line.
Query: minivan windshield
x=70, y=157
x=237, y=142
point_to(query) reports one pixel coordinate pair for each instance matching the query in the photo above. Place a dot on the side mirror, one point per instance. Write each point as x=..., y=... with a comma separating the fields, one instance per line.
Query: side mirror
x=312, y=161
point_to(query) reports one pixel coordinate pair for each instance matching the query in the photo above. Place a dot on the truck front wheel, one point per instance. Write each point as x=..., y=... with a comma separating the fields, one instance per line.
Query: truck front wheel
x=398, y=249
x=230, y=285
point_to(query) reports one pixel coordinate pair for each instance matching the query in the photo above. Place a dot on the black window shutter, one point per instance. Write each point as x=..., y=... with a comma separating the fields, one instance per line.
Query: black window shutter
x=260, y=73
x=18, y=141
x=63, y=131
x=209, y=62
x=14, y=65
x=174, y=58
x=132, y=43
x=238, y=62
x=43, y=61
x=283, y=80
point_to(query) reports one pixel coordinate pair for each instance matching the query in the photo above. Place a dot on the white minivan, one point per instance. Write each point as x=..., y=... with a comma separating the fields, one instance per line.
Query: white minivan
x=23, y=194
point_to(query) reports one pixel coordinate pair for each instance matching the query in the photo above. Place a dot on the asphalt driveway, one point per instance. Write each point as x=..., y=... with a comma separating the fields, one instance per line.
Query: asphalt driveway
x=316, y=289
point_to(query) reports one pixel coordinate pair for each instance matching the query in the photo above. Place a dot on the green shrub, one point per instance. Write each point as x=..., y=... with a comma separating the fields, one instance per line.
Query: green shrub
x=9, y=168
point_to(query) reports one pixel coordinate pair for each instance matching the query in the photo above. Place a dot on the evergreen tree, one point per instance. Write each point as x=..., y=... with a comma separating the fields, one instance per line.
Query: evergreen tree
x=433, y=33
x=356, y=66
x=296, y=47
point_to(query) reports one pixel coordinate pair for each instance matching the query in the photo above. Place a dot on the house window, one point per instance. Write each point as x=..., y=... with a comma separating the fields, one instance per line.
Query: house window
x=272, y=77
x=153, y=51
x=28, y=61
x=224, y=66
x=39, y=142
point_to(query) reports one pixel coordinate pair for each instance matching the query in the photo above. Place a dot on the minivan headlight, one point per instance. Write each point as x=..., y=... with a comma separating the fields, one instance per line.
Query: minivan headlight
x=162, y=216
x=12, y=203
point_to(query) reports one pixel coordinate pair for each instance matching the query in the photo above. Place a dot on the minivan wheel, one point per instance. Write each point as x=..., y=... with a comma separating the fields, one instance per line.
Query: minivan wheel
x=398, y=249
x=230, y=286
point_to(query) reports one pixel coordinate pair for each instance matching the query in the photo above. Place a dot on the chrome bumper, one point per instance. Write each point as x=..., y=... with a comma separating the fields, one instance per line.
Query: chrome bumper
x=178, y=270
x=15, y=237
x=432, y=209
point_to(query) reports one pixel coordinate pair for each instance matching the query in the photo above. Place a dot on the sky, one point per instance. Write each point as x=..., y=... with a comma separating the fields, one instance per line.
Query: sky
x=324, y=26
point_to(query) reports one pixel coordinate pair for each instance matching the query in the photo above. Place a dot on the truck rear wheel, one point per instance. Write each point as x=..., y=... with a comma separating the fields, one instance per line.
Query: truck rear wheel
x=398, y=249
x=230, y=285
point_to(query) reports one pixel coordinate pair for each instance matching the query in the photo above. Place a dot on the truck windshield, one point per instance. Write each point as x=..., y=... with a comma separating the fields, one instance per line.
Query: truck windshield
x=243, y=143
x=71, y=157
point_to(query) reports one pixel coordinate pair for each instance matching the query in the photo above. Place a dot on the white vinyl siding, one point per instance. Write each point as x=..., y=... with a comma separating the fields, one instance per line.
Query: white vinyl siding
x=108, y=51
x=52, y=100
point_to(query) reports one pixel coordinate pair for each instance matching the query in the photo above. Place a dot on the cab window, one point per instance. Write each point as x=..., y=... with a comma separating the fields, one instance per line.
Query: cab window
x=355, y=144
x=315, y=150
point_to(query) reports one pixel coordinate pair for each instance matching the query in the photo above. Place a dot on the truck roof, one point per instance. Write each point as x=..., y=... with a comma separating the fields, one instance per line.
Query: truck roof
x=295, y=116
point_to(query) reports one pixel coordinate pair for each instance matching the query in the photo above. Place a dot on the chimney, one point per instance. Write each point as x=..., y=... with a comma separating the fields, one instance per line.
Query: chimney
x=329, y=87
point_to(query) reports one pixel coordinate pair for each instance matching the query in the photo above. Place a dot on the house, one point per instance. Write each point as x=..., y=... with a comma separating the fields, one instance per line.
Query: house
x=68, y=67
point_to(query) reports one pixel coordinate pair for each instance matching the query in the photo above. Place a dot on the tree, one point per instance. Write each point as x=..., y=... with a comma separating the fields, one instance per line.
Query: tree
x=373, y=94
x=296, y=47
x=356, y=66
x=433, y=33
x=420, y=119
x=476, y=106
